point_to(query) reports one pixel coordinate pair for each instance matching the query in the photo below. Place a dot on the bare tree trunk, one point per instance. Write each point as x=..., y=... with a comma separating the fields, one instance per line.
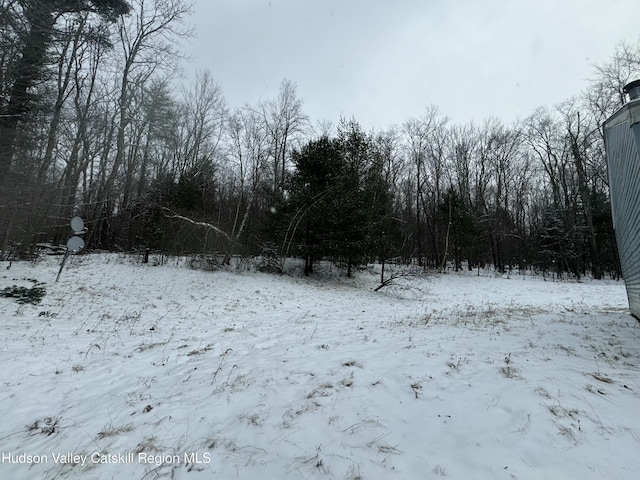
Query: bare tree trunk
x=39, y=16
x=446, y=241
x=283, y=118
x=64, y=76
x=586, y=207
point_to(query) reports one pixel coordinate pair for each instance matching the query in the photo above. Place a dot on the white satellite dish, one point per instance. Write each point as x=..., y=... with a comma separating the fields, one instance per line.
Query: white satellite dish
x=75, y=244
x=77, y=224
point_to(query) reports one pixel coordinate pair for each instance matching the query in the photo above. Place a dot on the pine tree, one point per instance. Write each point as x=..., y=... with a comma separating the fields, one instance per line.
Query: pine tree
x=339, y=203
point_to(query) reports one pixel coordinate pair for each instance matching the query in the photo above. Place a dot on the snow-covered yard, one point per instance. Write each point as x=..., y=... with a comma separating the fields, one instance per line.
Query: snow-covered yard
x=132, y=371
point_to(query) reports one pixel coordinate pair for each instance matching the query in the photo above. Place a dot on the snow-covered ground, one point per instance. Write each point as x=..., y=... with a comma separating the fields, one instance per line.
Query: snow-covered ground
x=133, y=371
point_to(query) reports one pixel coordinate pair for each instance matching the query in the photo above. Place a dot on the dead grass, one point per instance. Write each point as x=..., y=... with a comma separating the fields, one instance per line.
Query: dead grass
x=601, y=377
x=112, y=431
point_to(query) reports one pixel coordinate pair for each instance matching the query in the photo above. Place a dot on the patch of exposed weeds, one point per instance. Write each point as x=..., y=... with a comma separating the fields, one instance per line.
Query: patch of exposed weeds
x=33, y=295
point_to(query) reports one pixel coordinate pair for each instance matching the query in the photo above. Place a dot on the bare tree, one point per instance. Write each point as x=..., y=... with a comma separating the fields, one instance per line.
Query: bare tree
x=248, y=152
x=544, y=137
x=147, y=42
x=606, y=92
x=387, y=145
x=425, y=153
x=284, y=119
x=498, y=153
x=462, y=154
x=40, y=18
x=416, y=132
x=203, y=123
x=556, y=230
x=581, y=135
x=81, y=147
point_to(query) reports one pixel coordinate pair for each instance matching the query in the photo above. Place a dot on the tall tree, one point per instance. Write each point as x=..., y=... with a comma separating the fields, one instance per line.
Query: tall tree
x=284, y=119
x=247, y=150
x=40, y=18
x=318, y=168
x=581, y=135
x=606, y=91
x=425, y=151
x=147, y=42
x=203, y=123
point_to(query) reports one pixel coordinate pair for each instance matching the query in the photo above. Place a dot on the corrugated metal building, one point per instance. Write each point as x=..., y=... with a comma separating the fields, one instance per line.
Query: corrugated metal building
x=622, y=142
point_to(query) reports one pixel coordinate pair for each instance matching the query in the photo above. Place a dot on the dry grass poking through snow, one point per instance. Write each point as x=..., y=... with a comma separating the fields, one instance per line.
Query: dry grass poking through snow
x=136, y=371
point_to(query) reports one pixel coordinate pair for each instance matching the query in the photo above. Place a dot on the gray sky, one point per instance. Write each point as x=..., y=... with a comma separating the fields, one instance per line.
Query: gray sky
x=384, y=61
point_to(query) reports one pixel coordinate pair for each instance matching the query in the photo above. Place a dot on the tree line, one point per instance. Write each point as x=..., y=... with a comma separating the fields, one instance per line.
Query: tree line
x=94, y=123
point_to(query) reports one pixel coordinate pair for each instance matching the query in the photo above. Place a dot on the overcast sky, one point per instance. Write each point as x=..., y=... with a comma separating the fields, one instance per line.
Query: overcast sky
x=384, y=61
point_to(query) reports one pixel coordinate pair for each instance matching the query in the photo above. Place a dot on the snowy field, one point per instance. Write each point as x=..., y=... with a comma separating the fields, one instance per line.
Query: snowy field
x=132, y=371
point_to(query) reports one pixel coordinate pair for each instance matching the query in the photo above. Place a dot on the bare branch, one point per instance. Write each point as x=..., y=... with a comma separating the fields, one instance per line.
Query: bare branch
x=199, y=224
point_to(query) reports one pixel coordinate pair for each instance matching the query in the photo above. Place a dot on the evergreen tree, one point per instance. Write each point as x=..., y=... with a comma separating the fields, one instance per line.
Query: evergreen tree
x=312, y=194
x=339, y=202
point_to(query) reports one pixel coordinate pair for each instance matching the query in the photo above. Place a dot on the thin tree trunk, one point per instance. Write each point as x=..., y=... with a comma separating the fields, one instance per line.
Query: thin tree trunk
x=446, y=242
x=586, y=207
x=39, y=15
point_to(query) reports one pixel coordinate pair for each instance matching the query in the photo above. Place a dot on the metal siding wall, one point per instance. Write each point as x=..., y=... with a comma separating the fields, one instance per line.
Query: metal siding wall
x=624, y=171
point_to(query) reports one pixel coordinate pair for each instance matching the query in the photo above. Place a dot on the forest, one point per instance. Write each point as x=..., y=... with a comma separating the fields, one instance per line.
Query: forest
x=95, y=123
